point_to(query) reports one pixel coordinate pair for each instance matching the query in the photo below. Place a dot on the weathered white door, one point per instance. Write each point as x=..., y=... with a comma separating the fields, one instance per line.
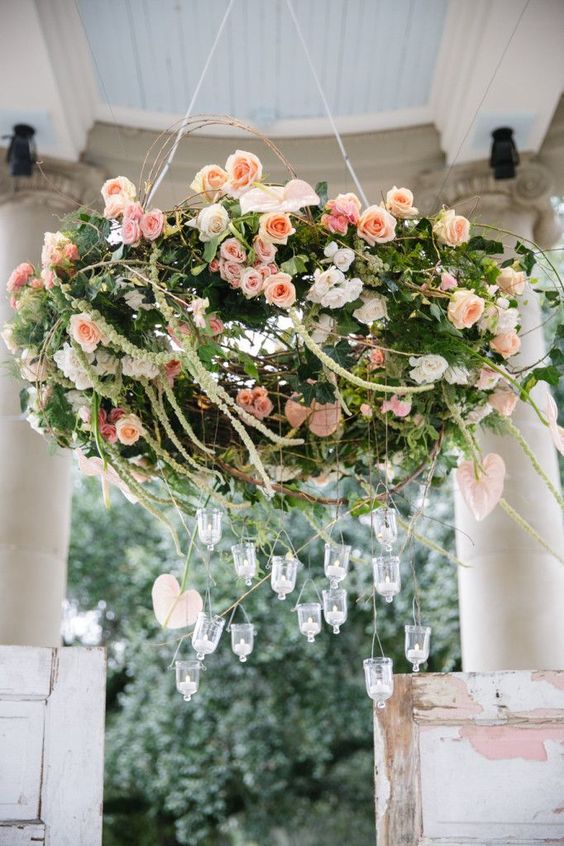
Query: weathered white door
x=51, y=745
x=471, y=758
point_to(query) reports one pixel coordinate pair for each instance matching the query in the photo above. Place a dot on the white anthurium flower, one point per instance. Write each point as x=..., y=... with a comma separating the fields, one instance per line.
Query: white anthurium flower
x=427, y=368
x=457, y=375
x=373, y=308
x=323, y=327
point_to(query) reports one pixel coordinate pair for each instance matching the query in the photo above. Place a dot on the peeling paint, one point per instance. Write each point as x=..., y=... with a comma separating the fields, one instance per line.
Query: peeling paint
x=498, y=743
x=554, y=678
x=444, y=695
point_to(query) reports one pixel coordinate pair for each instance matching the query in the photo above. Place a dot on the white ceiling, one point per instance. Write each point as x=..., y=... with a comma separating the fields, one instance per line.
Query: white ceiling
x=466, y=66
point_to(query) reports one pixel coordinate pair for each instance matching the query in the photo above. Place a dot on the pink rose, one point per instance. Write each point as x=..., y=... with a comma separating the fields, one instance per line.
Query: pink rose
x=399, y=202
x=49, y=278
x=251, y=282
x=214, y=265
x=262, y=407
x=279, y=290
x=345, y=205
x=152, y=224
x=365, y=410
x=511, y=281
x=447, y=282
x=209, y=181
x=118, y=193
x=275, y=227
x=173, y=368
x=503, y=400
x=231, y=271
x=506, y=344
x=451, y=229
x=108, y=432
x=216, y=325
x=133, y=211
x=19, y=276
x=114, y=207
x=338, y=224
x=265, y=250
x=487, y=379
x=129, y=429
x=85, y=332
x=36, y=283
x=70, y=252
x=376, y=226
x=231, y=250
x=376, y=358
x=131, y=232
x=115, y=414
x=243, y=169
x=465, y=308
x=399, y=407
x=245, y=398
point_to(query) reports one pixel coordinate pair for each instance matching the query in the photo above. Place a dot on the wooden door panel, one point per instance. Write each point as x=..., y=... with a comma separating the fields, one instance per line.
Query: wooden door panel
x=21, y=753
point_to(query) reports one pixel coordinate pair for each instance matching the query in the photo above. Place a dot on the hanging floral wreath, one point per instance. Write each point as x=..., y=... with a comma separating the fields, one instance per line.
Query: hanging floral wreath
x=265, y=337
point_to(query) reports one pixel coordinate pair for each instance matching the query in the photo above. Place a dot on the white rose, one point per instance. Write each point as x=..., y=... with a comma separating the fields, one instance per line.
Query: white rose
x=106, y=363
x=32, y=366
x=338, y=295
x=7, y=336
x=374, y=308
x=75, y=399
x=67, y=361
x=323, y=327
x=138, y=369
x=427, y=368
x=343, y=258
x=324, y=280
x=507, y=319
x=457, y=375
x=330, y=249
x=211, y=221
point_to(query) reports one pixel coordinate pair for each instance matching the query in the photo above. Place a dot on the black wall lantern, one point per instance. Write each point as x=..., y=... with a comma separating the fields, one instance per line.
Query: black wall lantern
x=504, y=157
x=21, y=155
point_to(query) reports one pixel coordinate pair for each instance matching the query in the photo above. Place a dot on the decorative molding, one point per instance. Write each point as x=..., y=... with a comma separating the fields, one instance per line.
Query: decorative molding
x=58, y=184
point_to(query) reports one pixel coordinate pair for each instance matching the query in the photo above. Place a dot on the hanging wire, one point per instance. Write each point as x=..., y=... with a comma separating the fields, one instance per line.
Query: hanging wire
x=235, y=607
x=306, y=582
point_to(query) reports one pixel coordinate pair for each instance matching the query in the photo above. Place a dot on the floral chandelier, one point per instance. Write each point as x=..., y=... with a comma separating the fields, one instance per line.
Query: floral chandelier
x=265, y=339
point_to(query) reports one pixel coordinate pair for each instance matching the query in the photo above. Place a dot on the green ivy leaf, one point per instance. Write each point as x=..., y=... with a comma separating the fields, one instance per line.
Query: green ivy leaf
x=321, y=191
x=527, y=260
x=294, y=265
x=478, y=242
x=211, y=249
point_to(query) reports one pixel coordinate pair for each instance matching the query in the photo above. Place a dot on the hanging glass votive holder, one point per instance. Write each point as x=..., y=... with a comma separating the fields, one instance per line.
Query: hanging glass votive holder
x=379, y=678
x=335, y=608
x=245, y=560
x=188, y=677
x=209, y=526
x=309, y=619
x=417, y=644
x=336, y=563
x=283, y=575
x=384, y=525
x=387, y=578
x=206, y=634
x=242, y=640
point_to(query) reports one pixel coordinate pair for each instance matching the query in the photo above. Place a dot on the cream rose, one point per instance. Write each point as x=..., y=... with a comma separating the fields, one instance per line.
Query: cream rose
x=211, y=222
x=209, y=181
x=511, y=281
x=275, y=227
x=465, y=308
x=279, y=290
x=373, y=308
x=427, y=368
x=451, y=229
x=243, y=169
x=376, y=226
x=119, y=185
x=506, y=344
x=399, y=202
x=128, y=429
x=85, y=332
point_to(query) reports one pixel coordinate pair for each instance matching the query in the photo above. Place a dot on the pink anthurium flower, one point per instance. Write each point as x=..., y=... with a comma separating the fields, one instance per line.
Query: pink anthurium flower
x=482, y=489
x=174, y=609
x=279, y=198
x=557, y=432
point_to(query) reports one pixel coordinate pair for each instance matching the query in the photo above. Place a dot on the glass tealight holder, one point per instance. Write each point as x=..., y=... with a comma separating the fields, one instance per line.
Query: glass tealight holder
x=283, y=575
x=188, y=677
x=209, y=526
x=309, y=619
x=206, y=634
x=336, y=564
x=387, y=579
x=245, y=560
x=242, y=640
x=385, y=527
x=335, y=608
x=417, y=643
x=379, y=678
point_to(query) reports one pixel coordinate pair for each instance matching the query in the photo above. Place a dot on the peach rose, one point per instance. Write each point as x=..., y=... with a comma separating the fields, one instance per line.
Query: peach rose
x=365, y=410
x=131, y=232
x=487, y=379
x=152, y=224
x=506, y=344
x=209, y=181
x=129, y=429
x=448, y=281
x=511, y=281
x=275, y=227
x=399, y=202
x=451, y=229
x=279, y=290
x=503, y=400
x=376, y=358
x=231, y=250
x=216, y=325
x=19, y=276
x=265, y=250
x=244, y=398
x=243, y=170
x=376, y=226
x=118, y=185
x=262, y=407
x=85, y=332
x=251, y=282
x=114, y=207
x=465, y=308
x=231, y=271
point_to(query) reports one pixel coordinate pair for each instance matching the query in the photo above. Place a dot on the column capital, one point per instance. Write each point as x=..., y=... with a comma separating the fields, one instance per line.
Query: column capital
x=58, y=184
x=473, y=189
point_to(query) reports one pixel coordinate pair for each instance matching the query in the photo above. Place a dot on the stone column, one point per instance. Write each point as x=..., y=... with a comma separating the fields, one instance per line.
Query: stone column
x=35, y=483
x=512, y=595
